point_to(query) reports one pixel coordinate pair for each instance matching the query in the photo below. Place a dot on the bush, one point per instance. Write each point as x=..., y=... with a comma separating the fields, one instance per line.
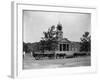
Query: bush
x=80, y=54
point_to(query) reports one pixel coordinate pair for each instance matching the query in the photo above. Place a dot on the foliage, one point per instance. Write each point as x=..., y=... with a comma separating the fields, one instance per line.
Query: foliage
x=85, y=42
x=26, y=48
x=49, y=35
x=30, y=47
x=49, y=41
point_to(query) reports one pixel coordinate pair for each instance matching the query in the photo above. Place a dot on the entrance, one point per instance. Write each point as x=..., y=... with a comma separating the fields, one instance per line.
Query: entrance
x=64, y=47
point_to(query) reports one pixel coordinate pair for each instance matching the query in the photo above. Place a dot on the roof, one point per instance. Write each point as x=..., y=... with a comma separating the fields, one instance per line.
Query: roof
x=64, y=40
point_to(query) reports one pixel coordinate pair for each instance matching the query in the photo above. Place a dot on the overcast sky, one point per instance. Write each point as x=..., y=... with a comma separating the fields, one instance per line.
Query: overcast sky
x=35, y=22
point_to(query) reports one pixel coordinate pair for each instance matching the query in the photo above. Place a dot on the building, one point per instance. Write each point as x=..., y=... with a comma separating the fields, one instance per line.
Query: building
x=64, y=45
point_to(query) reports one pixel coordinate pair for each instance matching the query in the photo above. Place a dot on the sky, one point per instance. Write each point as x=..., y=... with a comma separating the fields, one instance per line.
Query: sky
x=74, y=24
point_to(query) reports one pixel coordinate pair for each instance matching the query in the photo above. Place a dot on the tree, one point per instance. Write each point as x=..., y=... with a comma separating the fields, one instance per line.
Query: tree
x=25, y=47
x=85, y=42
x=49, y=41
x=50, y=34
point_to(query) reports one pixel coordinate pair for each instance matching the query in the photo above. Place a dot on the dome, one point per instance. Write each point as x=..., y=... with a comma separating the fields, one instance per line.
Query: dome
x=59, y=26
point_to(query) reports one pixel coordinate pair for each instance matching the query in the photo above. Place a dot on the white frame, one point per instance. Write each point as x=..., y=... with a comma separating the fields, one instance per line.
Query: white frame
x=16, y=67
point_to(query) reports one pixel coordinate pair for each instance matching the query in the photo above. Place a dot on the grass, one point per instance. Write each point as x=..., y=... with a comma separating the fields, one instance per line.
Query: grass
x=31, y=63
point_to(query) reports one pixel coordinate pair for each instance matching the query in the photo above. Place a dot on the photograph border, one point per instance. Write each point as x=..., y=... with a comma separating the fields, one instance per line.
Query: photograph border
x=17, y=40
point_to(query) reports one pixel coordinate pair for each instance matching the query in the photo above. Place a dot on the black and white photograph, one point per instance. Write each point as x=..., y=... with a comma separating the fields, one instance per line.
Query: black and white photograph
x=56, y=39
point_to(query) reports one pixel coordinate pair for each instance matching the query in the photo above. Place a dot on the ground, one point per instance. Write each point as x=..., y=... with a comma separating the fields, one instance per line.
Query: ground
x=30, y=63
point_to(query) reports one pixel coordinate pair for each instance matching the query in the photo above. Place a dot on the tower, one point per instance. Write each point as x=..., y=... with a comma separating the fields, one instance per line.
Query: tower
x=59, y=31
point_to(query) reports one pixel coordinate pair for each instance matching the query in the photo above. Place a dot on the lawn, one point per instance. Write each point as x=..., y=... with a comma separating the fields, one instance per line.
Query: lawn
x=30, y=63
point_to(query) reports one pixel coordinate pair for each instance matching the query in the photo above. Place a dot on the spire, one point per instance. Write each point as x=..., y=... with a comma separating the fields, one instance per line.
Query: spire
x=59, y=22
